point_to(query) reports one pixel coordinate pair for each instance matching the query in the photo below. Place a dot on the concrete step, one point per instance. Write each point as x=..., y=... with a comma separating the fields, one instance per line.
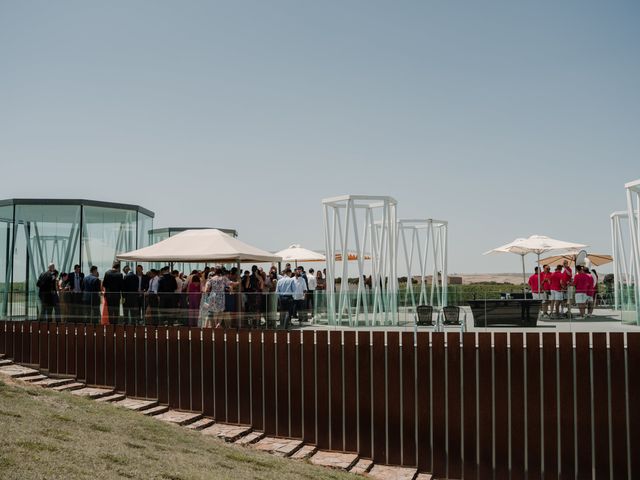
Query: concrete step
x=34, y=378
x=69, y=387
x=305, y=452
x=5, y=362
x=136, y=404
x=53, y=382
x=282, y=447
x=157, y=410
x=204, y=422
x=92, y=392
x=362, y=466
x=1, y=356
x=341, y=461
x=17, y=371
x=114, y=397
x=250, y=438
x=228, y=433
x=386, y=472
x=179, y=418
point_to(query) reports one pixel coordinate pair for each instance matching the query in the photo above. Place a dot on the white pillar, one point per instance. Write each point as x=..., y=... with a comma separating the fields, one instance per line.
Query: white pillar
x=633, y=213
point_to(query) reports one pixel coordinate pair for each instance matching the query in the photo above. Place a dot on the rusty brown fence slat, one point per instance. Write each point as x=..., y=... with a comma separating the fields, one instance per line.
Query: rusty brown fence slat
x=185, y=368
x=485, y=393
x=350, y=392
x=53, y=348
x=501, y=405
x=71, y=349
x=454, y=406
x=282, y=383
x=244, y=378
x=335, y=374
x=34, y=353
x=309, y=386
x=208, y=397
x=173, y=368
x=601, y=406
x=219, y=376
x=17, y=342
x=120, y=359
x=141, y=363
x=100, y=368
x=81, y=361
x=90, y=354
x=550, y=409
x=3, y=336
x=633, y=373
x=162, y=366
x=534, y=425
x=408, y=400
x=618, y=406
x=62, y=349
x=269, y=362
x=322, y=389
x=257, y=397
x=438, y=393
x=364, y=395
x=379, y=404
x=394, y=405
x=232, y=376
x=516, y=356
x=469, y=405
x=110, y=356
x=583, y=405
x=195, y=372
x=9, y=339
x=130, y=354
x=423, y=374
x=567, y=424
x=296, y=407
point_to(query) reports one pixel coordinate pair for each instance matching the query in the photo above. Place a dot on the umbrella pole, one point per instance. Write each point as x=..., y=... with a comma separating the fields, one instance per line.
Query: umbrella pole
x=524, y=279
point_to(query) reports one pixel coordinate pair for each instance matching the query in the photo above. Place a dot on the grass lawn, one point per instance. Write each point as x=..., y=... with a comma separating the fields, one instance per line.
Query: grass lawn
x=50, y=435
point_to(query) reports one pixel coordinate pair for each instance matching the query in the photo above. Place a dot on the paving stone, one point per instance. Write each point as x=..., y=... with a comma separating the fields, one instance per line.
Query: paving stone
x=33, y=378
x=250, y=438
x=68, y=387
x=17, y=371
x=385, y=472
x=362, y=466
x=179, y=418
x=115, y=397
x=424, y=476
x=282, y=447
x=343, y=461
x=157, y=410
x=200, y=424
x=92, y=392
x=53, y=382
x=5, y=362
x=136, y=404
x=305, y=452
x=229, y=433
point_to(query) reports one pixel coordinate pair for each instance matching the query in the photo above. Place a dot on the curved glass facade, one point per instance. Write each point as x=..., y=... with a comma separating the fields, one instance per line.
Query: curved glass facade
x=34, y=233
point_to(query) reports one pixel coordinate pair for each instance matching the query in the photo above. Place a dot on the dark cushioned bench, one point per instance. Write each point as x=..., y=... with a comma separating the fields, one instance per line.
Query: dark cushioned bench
x=520, y=313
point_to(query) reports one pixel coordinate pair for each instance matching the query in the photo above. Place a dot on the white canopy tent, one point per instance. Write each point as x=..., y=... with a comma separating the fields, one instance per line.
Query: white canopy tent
x=296, y=253
x=200, y=246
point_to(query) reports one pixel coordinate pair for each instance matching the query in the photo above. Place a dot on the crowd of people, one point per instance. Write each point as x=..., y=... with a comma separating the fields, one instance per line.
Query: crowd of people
x=560, y=289
x=212, y=297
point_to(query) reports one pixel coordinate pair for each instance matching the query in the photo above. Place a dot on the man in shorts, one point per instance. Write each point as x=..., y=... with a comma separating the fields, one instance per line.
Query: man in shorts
x=583, y=283
x=557, y=285
x=535, y=284
x=545, y=276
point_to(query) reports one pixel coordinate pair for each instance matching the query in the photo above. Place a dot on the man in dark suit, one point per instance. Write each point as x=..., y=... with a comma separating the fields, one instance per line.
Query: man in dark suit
x=143, y=287
x=167, y=286
x=46, y=291
x=91, y=296
x=76, y=284
x=112, y=284
x=130, y=294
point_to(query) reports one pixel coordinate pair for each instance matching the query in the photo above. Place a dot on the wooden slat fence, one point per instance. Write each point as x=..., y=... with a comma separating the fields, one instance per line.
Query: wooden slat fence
x=485, y=405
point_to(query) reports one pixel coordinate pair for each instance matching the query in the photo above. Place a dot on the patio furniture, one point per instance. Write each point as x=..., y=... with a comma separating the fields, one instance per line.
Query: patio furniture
x=519, y=313
x=451, y=316
x=424, y=315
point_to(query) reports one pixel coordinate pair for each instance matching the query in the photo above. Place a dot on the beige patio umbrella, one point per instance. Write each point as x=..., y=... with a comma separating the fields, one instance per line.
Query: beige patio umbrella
x=596, y=259
x=296, y=253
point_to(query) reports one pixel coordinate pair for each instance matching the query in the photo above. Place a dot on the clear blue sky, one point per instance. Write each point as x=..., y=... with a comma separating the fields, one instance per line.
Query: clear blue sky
x=504, y=118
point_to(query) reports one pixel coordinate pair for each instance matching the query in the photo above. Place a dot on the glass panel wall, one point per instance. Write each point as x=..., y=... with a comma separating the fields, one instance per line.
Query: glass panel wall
x=106, y=232
x=145, y=225
x=6, y=231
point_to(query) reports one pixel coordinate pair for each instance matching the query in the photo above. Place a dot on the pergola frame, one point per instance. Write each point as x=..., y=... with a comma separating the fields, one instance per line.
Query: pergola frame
x=380, y=237
x=633, y=213
x=426, y=238
x=622, y=262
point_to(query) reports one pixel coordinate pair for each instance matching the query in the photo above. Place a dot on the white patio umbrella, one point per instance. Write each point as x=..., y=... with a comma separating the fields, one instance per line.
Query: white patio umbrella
x=537, y=244
x=296, y=253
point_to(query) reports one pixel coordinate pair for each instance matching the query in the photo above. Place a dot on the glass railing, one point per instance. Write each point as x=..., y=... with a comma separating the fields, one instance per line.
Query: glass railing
x=468, y=307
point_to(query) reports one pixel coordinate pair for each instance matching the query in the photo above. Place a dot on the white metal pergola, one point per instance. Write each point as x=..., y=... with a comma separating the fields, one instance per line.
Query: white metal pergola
x=427, y=240
x=623, y=271
x=362, y=223
x=633, y=214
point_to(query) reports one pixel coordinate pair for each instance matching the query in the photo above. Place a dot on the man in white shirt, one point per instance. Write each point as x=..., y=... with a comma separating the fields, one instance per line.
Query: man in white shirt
x=284, y=290
x=152, y=295
x=299, y=289
x=312, y=283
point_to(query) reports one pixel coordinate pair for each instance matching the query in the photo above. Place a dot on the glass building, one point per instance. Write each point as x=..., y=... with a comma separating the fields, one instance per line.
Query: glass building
x=36, y=232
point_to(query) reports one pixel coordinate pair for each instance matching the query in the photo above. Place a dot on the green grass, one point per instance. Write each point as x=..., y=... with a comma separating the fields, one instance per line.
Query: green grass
x=50, y=435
